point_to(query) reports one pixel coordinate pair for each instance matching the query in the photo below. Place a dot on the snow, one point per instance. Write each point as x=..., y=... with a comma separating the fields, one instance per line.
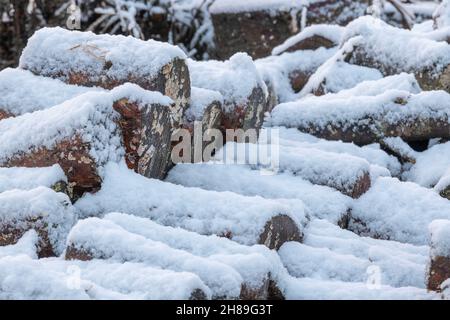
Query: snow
x=321, y=201
x=231, y=6
x=40, y=207
x=330, y=32
x=22, y=92
x=49, y=279
x=443, y=182
x=26, y=245
x=244, y=217
x=57, y=52
x=442, y=15
x=90, y=115
x=104, y=239
x=30, y=178
x=372, y=153
x=323, y=111
x=200, y=100
x=399, y=264
x=440, y=238
x=277, y=70
x=254, y=263
x=340, y=171
x=387, y=44
x=399, y=211
x=430, y=165
x=235, y=78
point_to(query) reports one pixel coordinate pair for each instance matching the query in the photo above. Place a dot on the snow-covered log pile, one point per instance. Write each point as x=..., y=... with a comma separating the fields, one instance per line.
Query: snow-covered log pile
x=342, y=194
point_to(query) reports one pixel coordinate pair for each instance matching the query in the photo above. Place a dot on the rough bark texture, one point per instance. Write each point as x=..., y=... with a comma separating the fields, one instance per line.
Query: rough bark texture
x=10, y=234
x=249, y=115
x=279, y=230
x=147, y=136
x=73, y=157
x=172, y=80
x=4, y=114
x=361, y=186
x=211, y=119
x=311, y=43
x=439, y=271
x=259, y=293
x=427, y=78
x=367, y=131
x=299, y=79
x=258, y=32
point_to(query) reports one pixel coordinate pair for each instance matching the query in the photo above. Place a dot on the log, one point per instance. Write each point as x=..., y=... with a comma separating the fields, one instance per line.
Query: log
x=256, y=27
x=92, y=238
x=312, y=38
x=290, y=70
x=331, y=205
x=412, y=117
x=49, y=213
x=377, y=48
x=348, y=174
x=106, y=61
x=21, y=92
x=204, y=115
x=239, y=218
x=239, y=257
x=279, y=230
x=400, y=149
x=127, y=121
x=244, y=92
x=439, y=266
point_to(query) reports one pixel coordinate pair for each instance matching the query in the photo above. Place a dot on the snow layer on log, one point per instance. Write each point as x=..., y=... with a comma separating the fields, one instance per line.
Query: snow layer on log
x=440, y=238
x=41, y=209
x=91, y=116
x=346, y=173
x=235, y=78
x=49, y=279
x=335, y=244
x=254, y=264
x=290, y=71
x=96, y=238
x=372, y=153
x=240, y=218
x=26, y=245
x=399, y=211
x=30, y=178
x=332, y=33
x=231, y=6
x=200, y=100
x=22, y=92
x=376, y=116
x=54, y=50
x=431, y=165
x=321, y=201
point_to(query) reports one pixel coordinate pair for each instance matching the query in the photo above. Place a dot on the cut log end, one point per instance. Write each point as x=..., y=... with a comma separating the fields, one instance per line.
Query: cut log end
x=279, y=230
x=74, y=253
x=10, y=235
x=260, y=292
x=438, y=273
x=361, y=186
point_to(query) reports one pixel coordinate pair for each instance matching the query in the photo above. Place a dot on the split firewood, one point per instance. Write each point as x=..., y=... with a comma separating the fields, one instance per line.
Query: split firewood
x=106, y=61
x=83, y=134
